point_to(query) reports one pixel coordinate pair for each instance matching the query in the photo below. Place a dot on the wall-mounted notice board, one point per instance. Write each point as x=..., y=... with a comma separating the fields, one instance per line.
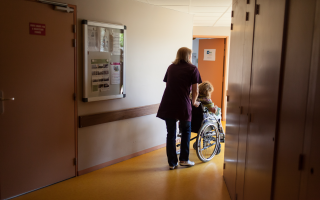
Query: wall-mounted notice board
x=104, y=59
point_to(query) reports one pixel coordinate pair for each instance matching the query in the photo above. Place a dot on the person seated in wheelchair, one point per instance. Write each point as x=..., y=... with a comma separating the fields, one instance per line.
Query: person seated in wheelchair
x=205, y=91
x=206, y=123
x=207, y=107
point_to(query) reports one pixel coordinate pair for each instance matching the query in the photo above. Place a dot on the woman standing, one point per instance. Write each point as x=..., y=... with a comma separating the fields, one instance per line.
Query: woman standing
x=175, y=105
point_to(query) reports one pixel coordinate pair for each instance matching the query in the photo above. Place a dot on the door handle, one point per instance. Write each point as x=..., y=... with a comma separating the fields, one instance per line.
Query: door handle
x=2, y=99
x=10, y=99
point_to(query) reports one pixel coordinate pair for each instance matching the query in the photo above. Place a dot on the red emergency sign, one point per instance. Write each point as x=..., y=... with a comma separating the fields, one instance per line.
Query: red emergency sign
x=37, y=29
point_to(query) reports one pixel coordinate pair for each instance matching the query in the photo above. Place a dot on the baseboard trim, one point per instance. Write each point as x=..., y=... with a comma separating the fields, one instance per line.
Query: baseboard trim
x=102, y=165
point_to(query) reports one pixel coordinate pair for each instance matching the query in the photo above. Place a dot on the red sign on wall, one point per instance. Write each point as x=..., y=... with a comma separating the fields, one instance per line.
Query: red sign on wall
x=37, y=29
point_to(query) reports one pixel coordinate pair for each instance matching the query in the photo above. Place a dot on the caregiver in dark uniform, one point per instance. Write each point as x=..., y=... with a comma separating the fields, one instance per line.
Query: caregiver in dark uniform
x=175, y=105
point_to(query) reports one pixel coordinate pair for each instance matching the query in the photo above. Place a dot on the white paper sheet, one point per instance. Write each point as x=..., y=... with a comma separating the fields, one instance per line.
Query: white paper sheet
x=115, y=73
x=116, y=44
x=209, y=54
x=92, y=39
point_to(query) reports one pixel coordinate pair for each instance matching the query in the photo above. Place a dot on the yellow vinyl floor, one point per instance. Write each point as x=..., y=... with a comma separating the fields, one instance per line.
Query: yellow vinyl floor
x=146, y=177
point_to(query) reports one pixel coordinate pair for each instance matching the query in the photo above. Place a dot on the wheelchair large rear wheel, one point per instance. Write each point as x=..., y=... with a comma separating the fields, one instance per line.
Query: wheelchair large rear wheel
x=208, y=142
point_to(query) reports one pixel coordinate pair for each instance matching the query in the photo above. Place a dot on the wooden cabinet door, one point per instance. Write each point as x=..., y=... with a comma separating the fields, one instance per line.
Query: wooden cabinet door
x=37, y=137
x=234, y=94
x=266, y=65
x=294, y=99
x=313, y=168
x=245, y=94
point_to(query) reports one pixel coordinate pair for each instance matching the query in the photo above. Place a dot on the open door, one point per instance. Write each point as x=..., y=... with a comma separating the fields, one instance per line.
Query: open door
x=212, y=70
x=38, y=127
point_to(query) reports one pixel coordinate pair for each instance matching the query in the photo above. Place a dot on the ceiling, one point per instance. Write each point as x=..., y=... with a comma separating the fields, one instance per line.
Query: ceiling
x=205, y=12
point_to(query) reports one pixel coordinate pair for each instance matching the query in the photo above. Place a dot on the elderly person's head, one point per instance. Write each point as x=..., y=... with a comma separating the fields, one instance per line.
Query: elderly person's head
x=183, y=54
x=205, y=89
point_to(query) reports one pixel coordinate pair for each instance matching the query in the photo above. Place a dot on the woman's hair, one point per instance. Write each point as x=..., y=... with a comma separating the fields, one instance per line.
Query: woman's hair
x=205, y=89
x=183, y=54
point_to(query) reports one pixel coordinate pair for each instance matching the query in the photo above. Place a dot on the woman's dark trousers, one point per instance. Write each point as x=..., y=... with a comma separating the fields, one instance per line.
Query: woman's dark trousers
x=185, y=127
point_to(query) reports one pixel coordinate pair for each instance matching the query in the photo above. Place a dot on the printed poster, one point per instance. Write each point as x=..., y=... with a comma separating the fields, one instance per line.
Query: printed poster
x=115, y=73
x=100, y=77
x=209, y=54
x=104, y=40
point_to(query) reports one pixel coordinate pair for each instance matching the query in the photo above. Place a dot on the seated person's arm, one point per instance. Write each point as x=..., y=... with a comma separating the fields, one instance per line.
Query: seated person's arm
x=213, y=110
x=195, y=93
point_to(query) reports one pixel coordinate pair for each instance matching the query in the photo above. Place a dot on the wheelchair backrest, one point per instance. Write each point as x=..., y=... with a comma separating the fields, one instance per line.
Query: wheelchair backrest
x=197, y=117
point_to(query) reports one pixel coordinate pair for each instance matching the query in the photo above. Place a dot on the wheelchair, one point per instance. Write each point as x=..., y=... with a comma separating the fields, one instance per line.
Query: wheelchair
x=209, y=131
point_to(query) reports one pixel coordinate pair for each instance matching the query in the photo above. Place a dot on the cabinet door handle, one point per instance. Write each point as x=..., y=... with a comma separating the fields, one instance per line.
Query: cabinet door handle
x=10, y=99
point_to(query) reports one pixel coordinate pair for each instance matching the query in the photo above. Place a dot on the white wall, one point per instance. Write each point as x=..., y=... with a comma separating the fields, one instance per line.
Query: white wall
x=211, y=30
x=154, y=34
x=195, y=49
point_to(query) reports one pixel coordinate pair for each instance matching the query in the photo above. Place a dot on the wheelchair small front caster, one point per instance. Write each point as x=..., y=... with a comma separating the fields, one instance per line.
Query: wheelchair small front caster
x=195, y=145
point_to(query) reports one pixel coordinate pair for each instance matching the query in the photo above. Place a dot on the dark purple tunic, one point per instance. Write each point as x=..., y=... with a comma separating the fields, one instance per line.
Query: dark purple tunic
x=175, y=103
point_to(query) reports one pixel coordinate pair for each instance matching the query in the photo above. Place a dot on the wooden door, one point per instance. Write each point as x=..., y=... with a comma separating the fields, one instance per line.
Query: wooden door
x=234, y=95
x=294, y=99
x=310, y=176
x=37, y=138
x=313, y=169
x=245, y=95
x=212, y=71
x=266, y=65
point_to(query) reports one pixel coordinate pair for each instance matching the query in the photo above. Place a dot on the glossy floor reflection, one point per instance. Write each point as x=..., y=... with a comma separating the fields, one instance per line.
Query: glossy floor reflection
x=144, y=177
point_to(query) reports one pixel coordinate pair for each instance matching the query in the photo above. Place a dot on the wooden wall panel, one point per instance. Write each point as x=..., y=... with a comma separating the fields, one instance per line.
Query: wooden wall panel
x=246, y=77
x=90, y=120
x=293, y=105
x=234, y=94
x=267, y=52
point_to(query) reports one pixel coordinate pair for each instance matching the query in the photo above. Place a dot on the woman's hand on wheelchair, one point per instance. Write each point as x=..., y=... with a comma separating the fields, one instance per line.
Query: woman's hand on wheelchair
x=196, y=104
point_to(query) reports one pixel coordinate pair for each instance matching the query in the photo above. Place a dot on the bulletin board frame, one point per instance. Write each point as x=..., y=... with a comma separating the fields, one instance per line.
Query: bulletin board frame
x=87, y=97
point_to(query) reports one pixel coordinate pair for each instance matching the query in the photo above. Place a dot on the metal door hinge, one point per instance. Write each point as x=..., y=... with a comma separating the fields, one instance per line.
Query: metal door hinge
x=241, y=109
x=74, y=28
x=312, y=170
x=231, y=13
x=227, y=98
x=224, y=165
x=231, y=26
x=75, y=161
x=300, y=165
x=249, y=117
x=74, y=43
x=257, y=9
x=247, y=16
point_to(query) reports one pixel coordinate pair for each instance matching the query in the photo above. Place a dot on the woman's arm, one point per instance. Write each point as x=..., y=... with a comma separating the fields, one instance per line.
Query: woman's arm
x=195, y=93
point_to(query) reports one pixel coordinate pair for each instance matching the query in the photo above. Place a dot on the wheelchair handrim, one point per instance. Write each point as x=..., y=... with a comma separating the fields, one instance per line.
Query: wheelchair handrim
x=217, y=142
